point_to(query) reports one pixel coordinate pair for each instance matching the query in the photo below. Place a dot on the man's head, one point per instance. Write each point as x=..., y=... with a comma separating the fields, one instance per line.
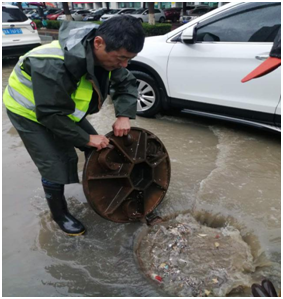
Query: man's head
x=118, y=40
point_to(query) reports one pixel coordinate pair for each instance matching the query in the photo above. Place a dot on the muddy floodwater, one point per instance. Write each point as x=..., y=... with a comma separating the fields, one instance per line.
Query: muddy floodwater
x=221, y=174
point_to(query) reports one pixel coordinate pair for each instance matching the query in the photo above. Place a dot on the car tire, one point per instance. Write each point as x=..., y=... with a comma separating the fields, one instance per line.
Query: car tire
x=149, y=97
x=162, y=20
x=141, y=20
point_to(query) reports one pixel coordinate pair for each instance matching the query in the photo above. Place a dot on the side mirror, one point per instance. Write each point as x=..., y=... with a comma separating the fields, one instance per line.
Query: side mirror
x=189, y=35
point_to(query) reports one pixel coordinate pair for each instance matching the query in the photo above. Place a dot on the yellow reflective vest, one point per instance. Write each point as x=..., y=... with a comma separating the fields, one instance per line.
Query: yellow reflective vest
x=19, y=98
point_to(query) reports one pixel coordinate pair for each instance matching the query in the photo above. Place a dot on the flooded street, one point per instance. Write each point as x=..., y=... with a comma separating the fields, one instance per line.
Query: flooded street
x=221, y=173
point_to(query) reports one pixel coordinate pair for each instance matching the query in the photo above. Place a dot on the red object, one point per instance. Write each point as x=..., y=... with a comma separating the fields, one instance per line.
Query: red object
x=54, y=16
x=217, y=237
x=36, y=3
x=33, y=26
x=156, y=277
x=173, y=13
x=266, y=67
x=50, y=4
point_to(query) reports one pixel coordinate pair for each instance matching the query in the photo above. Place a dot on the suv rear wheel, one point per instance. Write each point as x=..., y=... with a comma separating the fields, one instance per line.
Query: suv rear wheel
x=149, y=100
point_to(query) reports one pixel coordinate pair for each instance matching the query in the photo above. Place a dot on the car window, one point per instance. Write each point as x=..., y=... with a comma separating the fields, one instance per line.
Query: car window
x=13, y=15
x=113, y=11
x=139, y=11
x=257, y=24
x=97, y=12
x=126, y=11
x=51, y=11
x=199, y=11
x=188, y=8
x=156, y=11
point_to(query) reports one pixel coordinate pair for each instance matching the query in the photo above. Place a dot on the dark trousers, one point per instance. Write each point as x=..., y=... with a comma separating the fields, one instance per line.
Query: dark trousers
x=55, y=158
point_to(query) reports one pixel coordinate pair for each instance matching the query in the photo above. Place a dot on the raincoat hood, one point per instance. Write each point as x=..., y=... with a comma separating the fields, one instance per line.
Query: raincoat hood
x=76, y=40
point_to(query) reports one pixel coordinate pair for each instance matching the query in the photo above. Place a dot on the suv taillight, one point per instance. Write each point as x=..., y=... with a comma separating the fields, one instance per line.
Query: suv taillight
x=33, y=25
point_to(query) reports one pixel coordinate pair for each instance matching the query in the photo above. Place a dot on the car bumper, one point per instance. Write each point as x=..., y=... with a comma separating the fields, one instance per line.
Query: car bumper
x=18, y=50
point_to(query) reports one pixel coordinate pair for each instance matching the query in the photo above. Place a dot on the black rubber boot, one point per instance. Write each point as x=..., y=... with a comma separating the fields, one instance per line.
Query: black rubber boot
x=59, y=211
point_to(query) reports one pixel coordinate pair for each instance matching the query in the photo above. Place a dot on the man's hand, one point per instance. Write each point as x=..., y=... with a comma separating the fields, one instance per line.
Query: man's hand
x=121, y=126
x=98, y=141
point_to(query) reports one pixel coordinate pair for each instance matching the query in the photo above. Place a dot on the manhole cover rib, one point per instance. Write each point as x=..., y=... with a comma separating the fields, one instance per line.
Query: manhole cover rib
x=128, y=180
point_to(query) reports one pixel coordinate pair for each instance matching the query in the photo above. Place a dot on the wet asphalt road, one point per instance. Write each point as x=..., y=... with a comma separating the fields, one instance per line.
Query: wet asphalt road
x=221, y=172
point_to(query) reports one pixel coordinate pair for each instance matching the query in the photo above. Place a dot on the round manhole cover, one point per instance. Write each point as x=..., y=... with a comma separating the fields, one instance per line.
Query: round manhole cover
x=126, y=181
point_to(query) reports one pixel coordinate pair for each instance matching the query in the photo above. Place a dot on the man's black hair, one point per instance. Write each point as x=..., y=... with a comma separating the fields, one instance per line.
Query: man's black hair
x=122, y=32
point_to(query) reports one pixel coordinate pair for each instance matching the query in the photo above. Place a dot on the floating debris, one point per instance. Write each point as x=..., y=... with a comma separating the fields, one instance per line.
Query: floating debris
x=163, y=265
x=181, y=254
x=156, y=277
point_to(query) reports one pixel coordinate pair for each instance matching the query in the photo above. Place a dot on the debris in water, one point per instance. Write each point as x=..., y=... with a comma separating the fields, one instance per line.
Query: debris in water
x=182, y=256
x=207, y=292
x=156, y=277
x=163, y=265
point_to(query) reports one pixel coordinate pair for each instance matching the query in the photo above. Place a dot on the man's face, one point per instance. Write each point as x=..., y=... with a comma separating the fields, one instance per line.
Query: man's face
x=111, y=60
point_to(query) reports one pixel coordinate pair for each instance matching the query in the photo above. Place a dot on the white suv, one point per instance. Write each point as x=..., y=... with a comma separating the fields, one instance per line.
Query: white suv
x=116, y=12
x=199, y=66
x=19, y=34
x=143, y=13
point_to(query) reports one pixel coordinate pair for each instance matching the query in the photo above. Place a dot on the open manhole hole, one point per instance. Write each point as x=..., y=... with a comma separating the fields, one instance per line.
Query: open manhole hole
x=187, y=258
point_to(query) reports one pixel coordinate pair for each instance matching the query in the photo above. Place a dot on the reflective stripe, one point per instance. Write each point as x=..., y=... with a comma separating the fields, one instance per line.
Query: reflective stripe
x=47, y=51
x=27, y=104
x=22, y=78
x=20, y=99
x=78, y=113
x=22, y=83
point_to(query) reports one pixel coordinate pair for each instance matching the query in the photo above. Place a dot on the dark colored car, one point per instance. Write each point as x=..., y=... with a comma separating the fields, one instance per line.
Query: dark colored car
x=95, y=16
x=172, y=14
x=194, y=13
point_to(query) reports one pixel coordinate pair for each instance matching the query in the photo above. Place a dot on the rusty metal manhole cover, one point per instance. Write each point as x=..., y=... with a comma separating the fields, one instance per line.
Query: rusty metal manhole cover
x=126, y=182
